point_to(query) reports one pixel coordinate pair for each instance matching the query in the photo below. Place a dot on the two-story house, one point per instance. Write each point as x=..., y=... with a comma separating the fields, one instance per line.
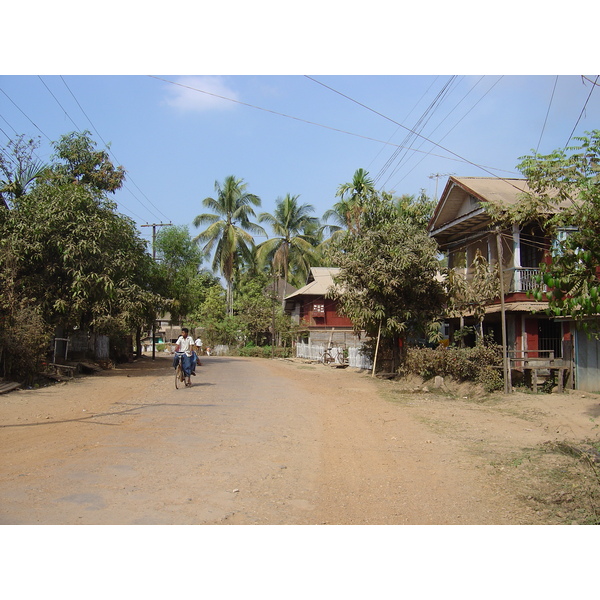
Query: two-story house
x=462, y=227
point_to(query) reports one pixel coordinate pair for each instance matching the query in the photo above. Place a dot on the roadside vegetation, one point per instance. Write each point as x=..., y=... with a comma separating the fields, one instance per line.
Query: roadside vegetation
x=69, y=261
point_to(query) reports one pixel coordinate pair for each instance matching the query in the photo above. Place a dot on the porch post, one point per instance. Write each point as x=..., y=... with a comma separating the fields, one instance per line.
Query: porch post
x=516, y=232
x=505, y=364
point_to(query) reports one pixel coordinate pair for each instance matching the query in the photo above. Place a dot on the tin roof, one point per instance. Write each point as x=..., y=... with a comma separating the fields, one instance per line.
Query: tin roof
x=320, y=280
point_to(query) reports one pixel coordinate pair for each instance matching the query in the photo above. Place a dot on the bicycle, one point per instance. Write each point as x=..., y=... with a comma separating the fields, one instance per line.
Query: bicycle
x=179, y=373
x=338, y=357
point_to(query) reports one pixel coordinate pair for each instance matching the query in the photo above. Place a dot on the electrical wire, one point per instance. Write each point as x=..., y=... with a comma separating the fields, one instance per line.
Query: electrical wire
x=418, y=127
x=23, y=113
x=364, y=137
x=116, y=159
x=61, y=106
x=456, y=125
x=547, y=113
x=582, y=110
x=419, y=135
x=405, y=118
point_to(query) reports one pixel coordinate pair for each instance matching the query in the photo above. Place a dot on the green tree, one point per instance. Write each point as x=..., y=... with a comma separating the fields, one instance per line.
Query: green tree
x=80, y=163
x=180, y=261
x=354, y=196
x=19, y=169
x=387, y=283
x=419, y=209
x=75, y=255
x=472, y=295
x=66, y=254
x=229, y=233
x=254, y=308
x=565, y=197
x=291, y=247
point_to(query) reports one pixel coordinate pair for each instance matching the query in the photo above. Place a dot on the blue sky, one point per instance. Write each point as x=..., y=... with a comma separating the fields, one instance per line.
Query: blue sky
x=479, y=83
x=292, y=134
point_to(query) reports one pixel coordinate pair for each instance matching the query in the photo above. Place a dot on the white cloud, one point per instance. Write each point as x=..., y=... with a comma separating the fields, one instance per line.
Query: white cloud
x=200, y=94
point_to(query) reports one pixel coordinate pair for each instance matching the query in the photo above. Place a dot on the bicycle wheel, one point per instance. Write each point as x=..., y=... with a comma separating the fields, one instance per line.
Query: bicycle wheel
x=178, y=375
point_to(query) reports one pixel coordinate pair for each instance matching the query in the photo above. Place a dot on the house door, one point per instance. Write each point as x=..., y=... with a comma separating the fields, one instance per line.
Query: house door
x=550, y=337
x=543, y=334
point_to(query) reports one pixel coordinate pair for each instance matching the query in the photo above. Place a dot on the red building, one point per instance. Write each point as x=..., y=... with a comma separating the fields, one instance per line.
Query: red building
x=310, y=308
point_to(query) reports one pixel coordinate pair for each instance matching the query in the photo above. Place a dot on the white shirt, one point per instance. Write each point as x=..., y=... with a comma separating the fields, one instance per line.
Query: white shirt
x=198, y=343
x=185, y=344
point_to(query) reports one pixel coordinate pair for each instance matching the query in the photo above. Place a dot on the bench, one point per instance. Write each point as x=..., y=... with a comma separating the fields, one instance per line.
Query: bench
x=67, y=370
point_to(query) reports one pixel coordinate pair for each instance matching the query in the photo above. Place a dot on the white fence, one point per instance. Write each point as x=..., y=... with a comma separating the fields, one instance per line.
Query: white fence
x=356, y=358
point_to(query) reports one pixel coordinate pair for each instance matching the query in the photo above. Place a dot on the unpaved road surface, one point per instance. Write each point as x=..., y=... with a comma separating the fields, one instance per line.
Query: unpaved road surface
x=270, y=442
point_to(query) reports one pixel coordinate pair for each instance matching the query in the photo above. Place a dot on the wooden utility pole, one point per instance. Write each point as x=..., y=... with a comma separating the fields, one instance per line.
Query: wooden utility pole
x=505, y=365
x=154, y=226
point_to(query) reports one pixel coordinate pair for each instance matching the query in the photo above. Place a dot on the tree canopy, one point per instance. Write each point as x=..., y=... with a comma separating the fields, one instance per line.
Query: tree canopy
x=229, y=228
x=565, y=196
x=387, y=281
x=67, y=257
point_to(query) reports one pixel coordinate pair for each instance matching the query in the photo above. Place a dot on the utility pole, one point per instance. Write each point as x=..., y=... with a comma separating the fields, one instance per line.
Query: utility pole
x=436, y=176
x=154, y=226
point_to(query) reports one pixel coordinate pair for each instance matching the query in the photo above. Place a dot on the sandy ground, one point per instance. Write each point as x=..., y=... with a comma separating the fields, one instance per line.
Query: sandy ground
x=279, y=442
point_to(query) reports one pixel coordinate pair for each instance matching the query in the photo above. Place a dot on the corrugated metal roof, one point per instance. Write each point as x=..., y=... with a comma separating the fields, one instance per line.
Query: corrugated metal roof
x=529, y=307
x=320, y=280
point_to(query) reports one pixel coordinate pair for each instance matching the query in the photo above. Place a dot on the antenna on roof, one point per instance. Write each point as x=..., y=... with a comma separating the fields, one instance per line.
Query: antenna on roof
x=436, y=176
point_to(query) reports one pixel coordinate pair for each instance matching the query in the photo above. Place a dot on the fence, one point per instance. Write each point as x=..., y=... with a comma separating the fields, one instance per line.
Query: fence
x=356, y=358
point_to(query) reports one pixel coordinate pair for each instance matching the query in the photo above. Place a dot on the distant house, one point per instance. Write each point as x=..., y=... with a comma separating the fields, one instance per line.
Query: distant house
x=310, y=308
x=462, y=226
x=166, y=332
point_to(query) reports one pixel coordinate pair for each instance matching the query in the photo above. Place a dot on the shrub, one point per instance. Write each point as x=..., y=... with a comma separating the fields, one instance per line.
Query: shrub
x=463, y=364
x=24, y=339
x=265, y=352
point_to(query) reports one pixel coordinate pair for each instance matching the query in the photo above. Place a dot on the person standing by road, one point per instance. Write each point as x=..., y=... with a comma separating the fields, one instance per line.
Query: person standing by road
x=198, y=344
x=185, y=346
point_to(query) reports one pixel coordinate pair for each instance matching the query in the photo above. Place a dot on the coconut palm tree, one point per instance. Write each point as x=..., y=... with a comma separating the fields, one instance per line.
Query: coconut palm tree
x=353, y=196
x=291, y=252
x=230, y=230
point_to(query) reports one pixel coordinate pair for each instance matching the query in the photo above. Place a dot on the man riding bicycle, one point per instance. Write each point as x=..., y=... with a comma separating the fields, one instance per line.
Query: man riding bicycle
x=184, y=351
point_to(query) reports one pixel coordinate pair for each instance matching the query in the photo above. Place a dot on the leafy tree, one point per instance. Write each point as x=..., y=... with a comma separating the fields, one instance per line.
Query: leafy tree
x=80, y=163
x=565, y=196
x=354, y=195
x=218, y=327
x=387, y=283
x=291, y=250
x=180, y=262
x=19, y=169
x=254, y=308
x=419, y=209
x=67, y=258
x=473, y=294
x=75, y=256
x=229, y=231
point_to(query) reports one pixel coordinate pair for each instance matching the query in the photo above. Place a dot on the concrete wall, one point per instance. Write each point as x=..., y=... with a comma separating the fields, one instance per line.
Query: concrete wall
x=587, y=363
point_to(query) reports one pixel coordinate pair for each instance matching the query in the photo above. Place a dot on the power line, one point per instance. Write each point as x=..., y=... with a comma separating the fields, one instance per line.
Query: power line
x=364, y=137
x=116, y=159
x=457, y=124
x=62, y=107
x=582, y=110
x=23, y=113
x=547, y=113
x=417, y=134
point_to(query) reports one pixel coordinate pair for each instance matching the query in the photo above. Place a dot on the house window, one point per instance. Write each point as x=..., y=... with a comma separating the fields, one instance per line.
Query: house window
x=458, y=259
x=319, y=309
x=532, y=247
x=561, y=237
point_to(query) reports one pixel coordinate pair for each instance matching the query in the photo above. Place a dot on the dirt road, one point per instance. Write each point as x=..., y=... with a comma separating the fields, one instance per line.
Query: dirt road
x=271, y=442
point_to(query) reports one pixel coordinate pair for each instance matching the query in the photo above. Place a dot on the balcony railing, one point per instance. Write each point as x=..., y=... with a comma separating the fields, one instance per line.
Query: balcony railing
x=523, y=279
